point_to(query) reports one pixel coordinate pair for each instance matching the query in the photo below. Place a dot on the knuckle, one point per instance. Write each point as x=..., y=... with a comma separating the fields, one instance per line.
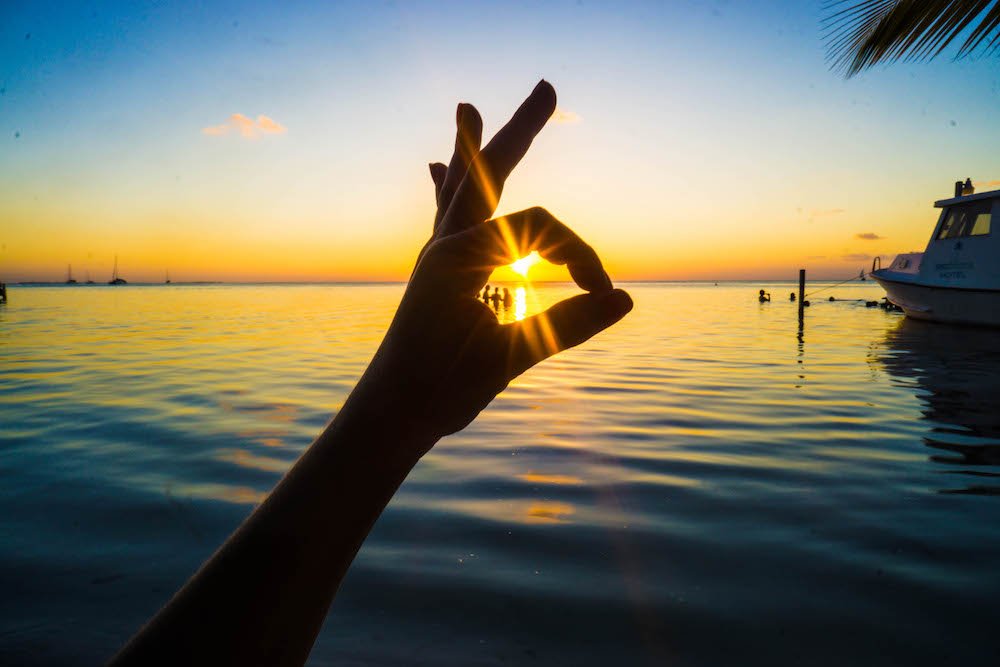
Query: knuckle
x=451, y=245
x=440, y=249
x=540, y=213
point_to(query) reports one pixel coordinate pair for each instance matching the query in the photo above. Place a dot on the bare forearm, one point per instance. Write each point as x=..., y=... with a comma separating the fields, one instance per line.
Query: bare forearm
x=262, y=598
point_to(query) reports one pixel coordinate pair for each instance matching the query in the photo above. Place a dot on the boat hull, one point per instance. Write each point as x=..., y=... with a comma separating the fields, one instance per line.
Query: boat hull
x=943, y=304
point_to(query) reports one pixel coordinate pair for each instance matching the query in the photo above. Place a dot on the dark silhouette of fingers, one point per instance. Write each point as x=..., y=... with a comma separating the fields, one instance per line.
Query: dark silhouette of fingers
x=438, y=172
x=468, y=138
x=479, y=192
x=564, y=325
x=503, y=240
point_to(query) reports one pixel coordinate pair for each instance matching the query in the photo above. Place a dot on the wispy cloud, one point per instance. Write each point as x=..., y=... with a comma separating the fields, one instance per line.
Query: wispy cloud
x=824, y=213
x=565, y=116
x=270, y=126
x=868, y=236
x=856, y=257
x=215, y=130
x=987, y=184
x=246, y=126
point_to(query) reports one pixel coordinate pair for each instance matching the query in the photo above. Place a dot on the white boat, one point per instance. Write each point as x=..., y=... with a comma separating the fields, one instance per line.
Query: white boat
x=957, y=278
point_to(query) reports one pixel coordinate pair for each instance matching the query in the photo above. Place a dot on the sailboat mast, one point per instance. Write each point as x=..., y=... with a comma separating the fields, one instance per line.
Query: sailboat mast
x=115, y=278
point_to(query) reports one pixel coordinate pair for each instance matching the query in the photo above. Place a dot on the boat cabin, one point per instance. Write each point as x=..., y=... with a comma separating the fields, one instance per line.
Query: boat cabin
x=963, y=250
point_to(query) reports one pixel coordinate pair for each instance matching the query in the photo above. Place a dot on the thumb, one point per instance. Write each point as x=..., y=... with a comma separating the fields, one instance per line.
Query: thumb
x=564, y=325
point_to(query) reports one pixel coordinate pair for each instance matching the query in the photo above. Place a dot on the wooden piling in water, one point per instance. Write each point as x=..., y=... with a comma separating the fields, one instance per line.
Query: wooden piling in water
x=802, y=292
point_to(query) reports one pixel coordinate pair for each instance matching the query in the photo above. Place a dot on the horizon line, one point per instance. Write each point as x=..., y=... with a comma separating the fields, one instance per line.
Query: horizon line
x=57, y=283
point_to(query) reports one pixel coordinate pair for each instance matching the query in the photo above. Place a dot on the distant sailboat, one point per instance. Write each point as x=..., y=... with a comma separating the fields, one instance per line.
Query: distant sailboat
x=167, y=281
x=89, y=281
x=115, y=278
x=70, y=280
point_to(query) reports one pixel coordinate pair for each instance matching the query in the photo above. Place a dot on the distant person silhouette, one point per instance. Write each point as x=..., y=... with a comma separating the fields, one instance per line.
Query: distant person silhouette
x=764, y=297
x=791, y=296
x=507, y=298
x=262, y=597
x=496, y=298
x=486, y=293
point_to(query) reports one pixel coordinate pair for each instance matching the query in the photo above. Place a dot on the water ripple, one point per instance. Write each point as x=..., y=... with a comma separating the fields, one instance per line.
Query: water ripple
x=703, y=478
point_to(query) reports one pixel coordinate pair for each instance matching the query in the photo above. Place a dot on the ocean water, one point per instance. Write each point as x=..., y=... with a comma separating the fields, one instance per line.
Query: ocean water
x=706, y=483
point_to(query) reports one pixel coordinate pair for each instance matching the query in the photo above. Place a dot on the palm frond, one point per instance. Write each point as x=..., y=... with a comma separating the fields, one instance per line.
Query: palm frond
x=861, y=34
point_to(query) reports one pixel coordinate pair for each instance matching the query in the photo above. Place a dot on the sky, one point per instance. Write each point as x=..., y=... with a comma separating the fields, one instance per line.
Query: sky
x=289, y=141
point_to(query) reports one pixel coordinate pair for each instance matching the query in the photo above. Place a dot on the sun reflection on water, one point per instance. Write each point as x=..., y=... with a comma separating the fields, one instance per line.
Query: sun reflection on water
x=520, y=304
x=544, y=478
x=549, y=512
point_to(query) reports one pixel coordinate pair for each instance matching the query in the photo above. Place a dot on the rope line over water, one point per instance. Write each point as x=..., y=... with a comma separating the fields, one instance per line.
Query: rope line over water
x=842, y=282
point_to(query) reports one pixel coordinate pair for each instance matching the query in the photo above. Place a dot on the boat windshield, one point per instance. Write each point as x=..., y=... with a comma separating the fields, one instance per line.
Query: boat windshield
x=972, y=219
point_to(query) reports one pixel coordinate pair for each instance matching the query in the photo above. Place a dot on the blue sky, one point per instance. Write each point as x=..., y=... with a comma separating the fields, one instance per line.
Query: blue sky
x=699, y=139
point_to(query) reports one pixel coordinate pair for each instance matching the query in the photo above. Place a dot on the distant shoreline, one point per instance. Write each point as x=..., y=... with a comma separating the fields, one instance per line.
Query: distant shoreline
x=202, y=283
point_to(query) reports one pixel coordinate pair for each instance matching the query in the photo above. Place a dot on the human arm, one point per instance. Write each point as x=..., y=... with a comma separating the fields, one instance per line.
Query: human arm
x=262, y=598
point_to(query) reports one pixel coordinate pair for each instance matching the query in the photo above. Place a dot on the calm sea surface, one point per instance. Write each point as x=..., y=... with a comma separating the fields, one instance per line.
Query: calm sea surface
x=704, y=484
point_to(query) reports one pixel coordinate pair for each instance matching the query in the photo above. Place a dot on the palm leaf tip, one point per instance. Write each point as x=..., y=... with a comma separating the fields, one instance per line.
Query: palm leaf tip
x=860, y=34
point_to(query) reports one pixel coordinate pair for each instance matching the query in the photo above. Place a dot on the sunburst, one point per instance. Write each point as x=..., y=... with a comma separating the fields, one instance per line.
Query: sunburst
x=523, y=265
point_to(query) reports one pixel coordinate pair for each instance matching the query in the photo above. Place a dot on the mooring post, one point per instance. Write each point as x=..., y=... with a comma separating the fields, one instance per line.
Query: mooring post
x=802, y=291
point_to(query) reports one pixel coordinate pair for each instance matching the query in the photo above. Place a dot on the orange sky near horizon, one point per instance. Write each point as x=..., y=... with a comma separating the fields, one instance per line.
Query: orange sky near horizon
x=146, y=253
x=239, y=245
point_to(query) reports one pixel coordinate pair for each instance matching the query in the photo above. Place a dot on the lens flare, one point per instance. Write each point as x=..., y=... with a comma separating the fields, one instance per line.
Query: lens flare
x=523, y=265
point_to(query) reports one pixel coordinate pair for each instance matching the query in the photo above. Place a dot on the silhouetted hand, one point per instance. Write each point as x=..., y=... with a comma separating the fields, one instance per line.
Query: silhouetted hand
x=261, y=598
x=446, y=356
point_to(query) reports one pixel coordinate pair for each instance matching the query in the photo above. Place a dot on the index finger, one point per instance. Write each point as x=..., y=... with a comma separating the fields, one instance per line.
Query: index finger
x=467, y=140
x=478, y=194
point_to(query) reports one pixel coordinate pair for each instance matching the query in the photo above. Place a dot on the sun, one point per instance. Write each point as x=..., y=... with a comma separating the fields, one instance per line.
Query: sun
x=523, y=265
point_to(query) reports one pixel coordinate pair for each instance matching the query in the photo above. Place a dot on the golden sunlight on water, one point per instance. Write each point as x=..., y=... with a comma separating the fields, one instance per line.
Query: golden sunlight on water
x=540, y=478
x=704, y=464
x=520, y=303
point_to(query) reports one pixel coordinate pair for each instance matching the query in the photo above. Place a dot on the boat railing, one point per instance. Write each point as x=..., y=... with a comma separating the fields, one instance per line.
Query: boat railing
x=876, y=262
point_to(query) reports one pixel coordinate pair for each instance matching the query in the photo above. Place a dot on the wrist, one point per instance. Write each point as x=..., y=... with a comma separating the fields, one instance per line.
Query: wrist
x=381, y=424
